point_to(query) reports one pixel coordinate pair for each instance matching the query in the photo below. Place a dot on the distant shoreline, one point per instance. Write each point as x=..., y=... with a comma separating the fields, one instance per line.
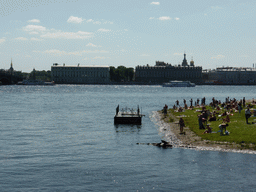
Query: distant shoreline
x=153, y=84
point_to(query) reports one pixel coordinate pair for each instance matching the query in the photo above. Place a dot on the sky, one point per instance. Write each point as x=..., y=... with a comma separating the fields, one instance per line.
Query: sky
x=34, y=34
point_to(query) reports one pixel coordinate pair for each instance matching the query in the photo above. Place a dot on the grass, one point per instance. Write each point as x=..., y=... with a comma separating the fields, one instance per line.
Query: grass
x=239, y=132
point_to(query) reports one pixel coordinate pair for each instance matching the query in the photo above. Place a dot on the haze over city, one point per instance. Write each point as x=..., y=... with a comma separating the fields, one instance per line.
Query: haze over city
x=36, y=34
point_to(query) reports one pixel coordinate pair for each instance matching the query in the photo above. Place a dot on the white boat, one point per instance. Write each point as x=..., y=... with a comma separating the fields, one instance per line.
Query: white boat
x=35, y=82
x=179, y=84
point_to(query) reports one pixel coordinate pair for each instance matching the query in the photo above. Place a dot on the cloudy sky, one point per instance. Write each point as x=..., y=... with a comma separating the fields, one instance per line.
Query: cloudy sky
x=38, y=33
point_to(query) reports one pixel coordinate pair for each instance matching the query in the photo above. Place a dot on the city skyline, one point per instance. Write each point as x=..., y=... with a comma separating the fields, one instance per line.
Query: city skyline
x=130, y=33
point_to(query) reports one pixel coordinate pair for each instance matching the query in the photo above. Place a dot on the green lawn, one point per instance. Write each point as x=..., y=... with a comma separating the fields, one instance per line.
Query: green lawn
x=239, y=131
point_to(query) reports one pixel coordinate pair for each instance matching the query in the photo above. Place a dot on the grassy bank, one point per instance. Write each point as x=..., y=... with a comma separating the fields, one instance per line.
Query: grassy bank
x=241, y=135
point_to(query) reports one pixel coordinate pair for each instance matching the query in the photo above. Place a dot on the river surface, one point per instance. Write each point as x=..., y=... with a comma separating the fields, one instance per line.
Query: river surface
x=63, y=138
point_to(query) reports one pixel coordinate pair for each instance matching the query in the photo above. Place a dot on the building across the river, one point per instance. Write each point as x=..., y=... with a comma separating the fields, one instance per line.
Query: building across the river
x=231, y=76
x=80, y=74
x=164, y=72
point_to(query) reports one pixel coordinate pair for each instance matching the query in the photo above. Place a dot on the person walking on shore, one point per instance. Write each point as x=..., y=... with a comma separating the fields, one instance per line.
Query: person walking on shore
x=177, y=103
x=182, y=124
x=191, y=102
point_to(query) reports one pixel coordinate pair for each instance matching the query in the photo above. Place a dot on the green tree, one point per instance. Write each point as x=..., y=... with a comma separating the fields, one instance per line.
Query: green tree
x=121, y=74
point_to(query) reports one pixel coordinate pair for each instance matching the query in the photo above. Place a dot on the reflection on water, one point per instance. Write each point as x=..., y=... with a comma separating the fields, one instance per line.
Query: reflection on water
x=127, y=128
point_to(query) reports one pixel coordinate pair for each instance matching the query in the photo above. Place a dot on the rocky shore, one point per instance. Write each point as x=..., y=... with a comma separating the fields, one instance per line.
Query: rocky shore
x=171, y=133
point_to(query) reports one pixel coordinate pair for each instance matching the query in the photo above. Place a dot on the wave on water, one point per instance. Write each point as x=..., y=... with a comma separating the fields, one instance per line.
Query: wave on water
x=169, y=136
x=164, y=130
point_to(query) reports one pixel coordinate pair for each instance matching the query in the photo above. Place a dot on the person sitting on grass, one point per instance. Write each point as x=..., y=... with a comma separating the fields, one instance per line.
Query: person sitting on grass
x=224, y=114
x=212, y=117
x=180, y=109
x=209, y=129
x=227, y=119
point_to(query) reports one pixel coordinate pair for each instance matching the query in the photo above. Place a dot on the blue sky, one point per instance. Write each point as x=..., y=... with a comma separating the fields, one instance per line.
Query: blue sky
x=36, y=34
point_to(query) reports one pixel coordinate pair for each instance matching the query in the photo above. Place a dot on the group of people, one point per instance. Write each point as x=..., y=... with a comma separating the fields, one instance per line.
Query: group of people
x=230, y=106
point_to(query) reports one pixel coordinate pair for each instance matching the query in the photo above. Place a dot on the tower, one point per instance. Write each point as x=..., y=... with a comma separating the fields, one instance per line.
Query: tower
x=11, y=68
x=184, y=62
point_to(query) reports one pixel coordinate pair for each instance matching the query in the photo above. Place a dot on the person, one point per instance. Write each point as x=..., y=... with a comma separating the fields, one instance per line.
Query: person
x=239, y=106
x=254, y=113
x=200, y=121
x=247, y=114
x=182, y=124
x=227, y=119
x=209, y=129
x=191, y=102
x=165, y=109
x=212, y=117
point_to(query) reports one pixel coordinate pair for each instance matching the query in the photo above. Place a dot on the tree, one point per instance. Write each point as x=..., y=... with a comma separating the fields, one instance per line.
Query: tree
x=121, y=74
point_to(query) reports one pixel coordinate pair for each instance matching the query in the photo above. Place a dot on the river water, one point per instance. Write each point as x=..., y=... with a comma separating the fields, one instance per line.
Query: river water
x=63, y=138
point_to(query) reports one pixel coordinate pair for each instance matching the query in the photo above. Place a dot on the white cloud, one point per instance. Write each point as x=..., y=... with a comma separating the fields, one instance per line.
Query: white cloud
x=95, y=51
x=108, y=22
x=2, y=40
x=92, y=45
x=33, y=33
x=77, y=53
x=164, y=18
x=155, y=3
x=176, y=18
x=104, y=30
x=55, y=52
x=21, y=38
x=97, y=57
x=34, y=21
x=99, y=22
x=34, y=29
x=218, y=57
x=35, y=39
x=68, y=35
x=151, y=17
x=73, y=19
x=89, y=20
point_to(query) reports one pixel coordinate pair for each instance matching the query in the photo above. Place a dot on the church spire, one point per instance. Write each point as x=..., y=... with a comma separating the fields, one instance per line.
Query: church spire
x=11, y=68
x=184, y=62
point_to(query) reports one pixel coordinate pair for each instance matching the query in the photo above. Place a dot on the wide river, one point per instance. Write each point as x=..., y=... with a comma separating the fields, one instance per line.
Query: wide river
x=63, y=138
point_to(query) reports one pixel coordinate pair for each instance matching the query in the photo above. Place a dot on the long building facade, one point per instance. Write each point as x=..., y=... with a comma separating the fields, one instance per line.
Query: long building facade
x=80, y=74
x=164, y=72
x=231, y=76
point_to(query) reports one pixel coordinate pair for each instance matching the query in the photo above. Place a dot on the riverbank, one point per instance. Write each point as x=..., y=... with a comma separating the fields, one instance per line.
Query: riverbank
x=170, y=128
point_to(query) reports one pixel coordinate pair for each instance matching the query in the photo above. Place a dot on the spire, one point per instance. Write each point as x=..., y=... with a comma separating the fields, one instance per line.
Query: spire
x=184, y=62
x=11, y=68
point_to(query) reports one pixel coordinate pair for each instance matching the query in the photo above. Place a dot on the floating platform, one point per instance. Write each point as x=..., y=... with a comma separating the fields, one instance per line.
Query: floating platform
x=128, y=116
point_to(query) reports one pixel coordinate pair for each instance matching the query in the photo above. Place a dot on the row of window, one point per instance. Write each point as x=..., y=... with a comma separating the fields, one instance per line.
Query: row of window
x=79, y=74
x=168, y=74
